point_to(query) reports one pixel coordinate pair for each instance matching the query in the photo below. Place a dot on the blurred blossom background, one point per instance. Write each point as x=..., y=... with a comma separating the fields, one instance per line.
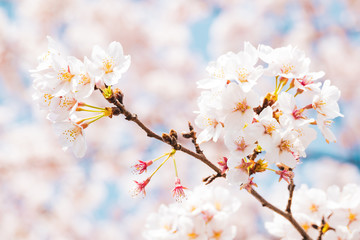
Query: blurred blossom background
x=49, y=194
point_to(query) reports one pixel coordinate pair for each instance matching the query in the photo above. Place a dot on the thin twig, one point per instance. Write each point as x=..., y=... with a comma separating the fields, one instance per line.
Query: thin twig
x=291, y=188
x=211, y=178
x=192, y=135
x=286, y=215
x=133, y=117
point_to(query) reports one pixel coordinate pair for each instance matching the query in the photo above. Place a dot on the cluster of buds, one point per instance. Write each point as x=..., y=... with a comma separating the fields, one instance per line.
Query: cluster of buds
x=269, y=129
x=334, y=214
x=63, y=82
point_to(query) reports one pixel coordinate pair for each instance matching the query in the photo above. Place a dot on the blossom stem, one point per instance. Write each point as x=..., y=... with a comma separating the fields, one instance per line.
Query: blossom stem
x=90, y=106
x=160, y=157
x=176, y=171
x=87, y=110
x=160, y=166
x=281, y=87
x=99, y=117
x=290, y=87
x=89, y=118
x=276, y=83
x=270, y=169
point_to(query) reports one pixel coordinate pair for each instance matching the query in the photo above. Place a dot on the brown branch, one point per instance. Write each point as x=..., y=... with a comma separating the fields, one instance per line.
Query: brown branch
x=117, y=101
x=133, y=117
x=291, y=188
x=192, y=135
x=286, y=215
x=211, y=178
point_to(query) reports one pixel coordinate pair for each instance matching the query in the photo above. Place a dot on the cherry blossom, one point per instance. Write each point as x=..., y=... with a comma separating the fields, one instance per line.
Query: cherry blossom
x=71, y=136
x=141, y=167
x=282, y=149
x=326, y=102
x=108, y=66
x=288, y=62
x=178, y=191
x=238, y=106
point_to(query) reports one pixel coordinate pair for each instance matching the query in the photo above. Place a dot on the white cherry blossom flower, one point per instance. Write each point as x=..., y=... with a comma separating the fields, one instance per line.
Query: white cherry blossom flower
x=288, y=62
x=218, y=228
x=291, y=115
x=205, y=215
x=108, y=66
x=84, y=84
x=71, y=136
x=210, y=100
x=241, y=143
x=311, y=202
x=43, y=100
x=265, y=127
x=305, y=134
x=45, y=59
x=348, y=197
x=237, y=173
x=284, y=149
x=163, y=225
x=241, y=67
x=59, y=80
x=281, y=228
x=238, y=106
x=234, y=67
x=216, y=71
x=61, y=107
x=324, y=124
x=211, y=125
x=326, y=102
x=307, y=82
x=193, y=227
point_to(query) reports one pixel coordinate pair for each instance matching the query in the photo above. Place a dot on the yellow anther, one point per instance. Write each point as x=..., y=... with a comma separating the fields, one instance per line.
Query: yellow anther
x=287, y=68
x=243, y=74
x=314, y=208
x=108, y=65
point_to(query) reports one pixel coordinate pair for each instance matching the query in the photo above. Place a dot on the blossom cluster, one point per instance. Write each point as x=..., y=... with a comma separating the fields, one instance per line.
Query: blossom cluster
x=63, y=82
x=205, y=215
x=334, y=213
x=276, y=123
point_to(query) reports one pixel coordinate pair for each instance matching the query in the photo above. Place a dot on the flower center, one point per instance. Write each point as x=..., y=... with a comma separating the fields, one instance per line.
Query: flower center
x=305, y=226
x=217, y=235
x=66, y=75
x=71, y=134
x=297, y=113
x=241, y=106
x=47, y=98
x=85, y=79
x=66, y=102
x=240, y=144
x=287, y=68
x=108, y=65
x=314, y=208
x=352, y=217
x=285, y=146
x=243, y=74
x=192, y=235
x=306, y=80
x=269, y=128
x=218, y=73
